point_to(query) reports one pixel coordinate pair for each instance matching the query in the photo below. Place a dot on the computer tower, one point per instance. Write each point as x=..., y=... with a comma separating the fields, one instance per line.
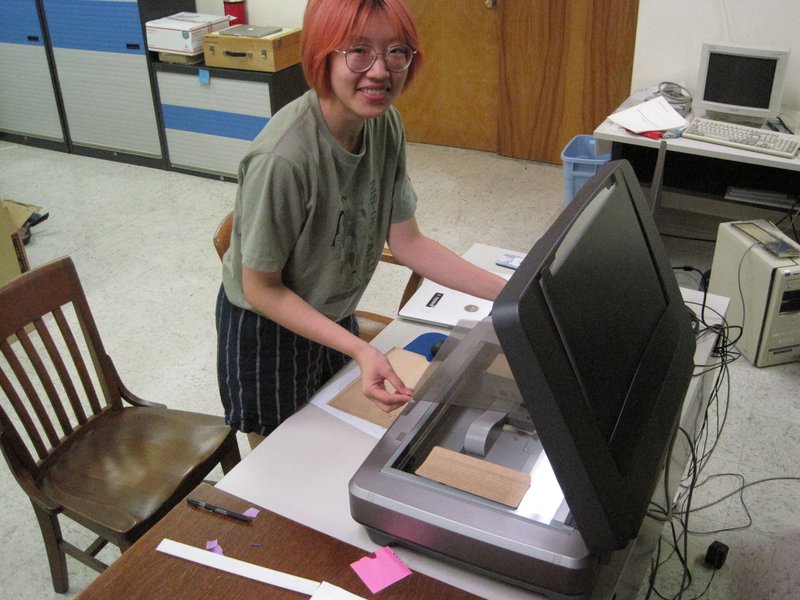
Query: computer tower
x=763, y=285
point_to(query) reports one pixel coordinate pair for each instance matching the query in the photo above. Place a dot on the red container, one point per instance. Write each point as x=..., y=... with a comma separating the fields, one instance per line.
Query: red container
x=237, y=10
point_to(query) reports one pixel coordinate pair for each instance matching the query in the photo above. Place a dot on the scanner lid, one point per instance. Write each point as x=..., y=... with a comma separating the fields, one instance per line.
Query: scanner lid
x=595, y=331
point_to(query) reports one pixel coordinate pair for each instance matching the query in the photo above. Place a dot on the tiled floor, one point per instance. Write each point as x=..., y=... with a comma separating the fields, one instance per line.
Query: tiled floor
x=141, y=239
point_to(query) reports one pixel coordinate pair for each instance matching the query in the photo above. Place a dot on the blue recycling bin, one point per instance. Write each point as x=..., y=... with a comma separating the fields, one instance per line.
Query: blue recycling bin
x=581, y=162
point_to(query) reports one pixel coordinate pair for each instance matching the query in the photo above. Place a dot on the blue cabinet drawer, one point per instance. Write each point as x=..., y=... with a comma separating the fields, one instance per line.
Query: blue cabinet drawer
x=209, y=120
x=97, y=25
x=19, y=23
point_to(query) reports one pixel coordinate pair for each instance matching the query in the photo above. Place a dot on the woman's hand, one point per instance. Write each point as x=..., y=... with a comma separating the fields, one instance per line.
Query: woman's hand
x=376, y=372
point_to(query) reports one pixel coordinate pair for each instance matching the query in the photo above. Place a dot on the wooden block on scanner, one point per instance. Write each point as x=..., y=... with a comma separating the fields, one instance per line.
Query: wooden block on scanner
x=409, y=366
x=270, y=53
x=476, y=476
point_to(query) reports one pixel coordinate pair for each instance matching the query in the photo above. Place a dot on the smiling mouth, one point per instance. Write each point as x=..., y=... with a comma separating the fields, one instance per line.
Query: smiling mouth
x=375, y=92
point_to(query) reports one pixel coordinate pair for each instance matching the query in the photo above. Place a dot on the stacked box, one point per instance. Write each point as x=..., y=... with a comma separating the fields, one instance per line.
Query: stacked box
x=182, y=33
x=270, y=53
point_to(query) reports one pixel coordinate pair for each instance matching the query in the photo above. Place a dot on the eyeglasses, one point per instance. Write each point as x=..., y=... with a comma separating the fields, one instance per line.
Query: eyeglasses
x=359, y=59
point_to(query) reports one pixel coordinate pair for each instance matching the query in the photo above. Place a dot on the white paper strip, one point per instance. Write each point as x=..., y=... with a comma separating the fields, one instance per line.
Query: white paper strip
x=239, y=567
x=328, y=591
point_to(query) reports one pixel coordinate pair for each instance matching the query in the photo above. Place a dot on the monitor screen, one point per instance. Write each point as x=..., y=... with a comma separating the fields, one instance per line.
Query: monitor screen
x=595, y=330
x=736, y=81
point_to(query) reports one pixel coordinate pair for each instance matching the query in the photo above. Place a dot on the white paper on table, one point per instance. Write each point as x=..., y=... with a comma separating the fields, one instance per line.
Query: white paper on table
x=653, y=115
x=328, y=591
x=239, y=567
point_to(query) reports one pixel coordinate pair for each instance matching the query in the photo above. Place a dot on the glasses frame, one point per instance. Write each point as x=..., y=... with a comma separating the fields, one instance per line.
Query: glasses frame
x=375, y=55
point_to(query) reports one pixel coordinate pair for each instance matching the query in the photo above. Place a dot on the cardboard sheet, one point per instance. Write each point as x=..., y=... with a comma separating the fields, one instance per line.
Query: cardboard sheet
x=408, y=365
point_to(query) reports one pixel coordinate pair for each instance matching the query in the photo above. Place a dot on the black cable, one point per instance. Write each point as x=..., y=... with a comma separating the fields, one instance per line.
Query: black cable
x=791, y=214
x=675, y=236
x=686, y=580
x=681, y=507
x=740, y=492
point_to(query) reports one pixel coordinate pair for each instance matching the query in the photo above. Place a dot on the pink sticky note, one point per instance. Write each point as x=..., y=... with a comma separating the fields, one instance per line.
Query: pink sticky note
x=251, y=512
x=381, y=570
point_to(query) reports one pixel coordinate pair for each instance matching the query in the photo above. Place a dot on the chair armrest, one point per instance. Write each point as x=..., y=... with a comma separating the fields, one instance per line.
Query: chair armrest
x=135, y=400
x=388, y=257
x=413, y=280
x=127, y=395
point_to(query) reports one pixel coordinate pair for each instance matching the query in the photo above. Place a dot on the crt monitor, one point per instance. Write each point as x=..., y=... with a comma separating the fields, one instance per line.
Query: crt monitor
x=739, y=83
x=595, y=330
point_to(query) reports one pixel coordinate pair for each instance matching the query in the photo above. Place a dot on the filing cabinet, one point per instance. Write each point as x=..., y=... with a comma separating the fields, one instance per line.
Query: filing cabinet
x=102, y=68
x=28, y=103
x=211, y=115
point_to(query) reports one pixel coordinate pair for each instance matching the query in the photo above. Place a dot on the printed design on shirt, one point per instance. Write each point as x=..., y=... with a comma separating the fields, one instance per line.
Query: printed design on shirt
x=354, y=244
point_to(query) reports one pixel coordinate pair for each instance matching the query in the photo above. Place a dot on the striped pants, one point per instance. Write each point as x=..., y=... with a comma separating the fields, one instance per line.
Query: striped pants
x=266, y=372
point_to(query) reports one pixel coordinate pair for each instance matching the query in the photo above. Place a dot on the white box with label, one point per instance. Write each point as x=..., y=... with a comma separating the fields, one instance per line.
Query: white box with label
x=182, y=33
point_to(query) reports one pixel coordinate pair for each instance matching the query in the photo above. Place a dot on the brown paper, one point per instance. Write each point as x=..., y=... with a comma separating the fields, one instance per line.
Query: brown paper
x=409, y=366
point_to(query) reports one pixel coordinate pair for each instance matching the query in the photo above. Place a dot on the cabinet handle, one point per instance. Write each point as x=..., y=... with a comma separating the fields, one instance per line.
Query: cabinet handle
x=33, y=38
x=133, y=46
x=490, y=4
x=235, y=54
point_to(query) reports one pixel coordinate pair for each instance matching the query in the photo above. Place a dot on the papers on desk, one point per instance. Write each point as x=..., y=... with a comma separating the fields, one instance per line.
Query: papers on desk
x=315, y=589
x=377, y=572
x=653, y=115
x=439, y=305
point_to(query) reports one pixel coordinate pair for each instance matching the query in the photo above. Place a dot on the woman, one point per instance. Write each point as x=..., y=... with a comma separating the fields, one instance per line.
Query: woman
x=322, y=188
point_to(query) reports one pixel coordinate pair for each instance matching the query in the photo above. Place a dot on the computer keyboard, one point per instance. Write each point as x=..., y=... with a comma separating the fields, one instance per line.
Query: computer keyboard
x=743, y=136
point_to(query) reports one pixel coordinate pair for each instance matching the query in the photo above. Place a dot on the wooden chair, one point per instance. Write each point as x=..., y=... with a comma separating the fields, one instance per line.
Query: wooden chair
x=72, y=445
x=370, y=324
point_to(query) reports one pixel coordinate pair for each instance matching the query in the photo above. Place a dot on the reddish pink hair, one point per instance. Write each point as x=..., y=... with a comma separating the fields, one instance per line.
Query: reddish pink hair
x=330, y=25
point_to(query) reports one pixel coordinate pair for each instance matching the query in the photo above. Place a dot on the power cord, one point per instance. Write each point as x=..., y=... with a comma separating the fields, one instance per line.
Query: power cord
x=677, y=96
x=677, y=512
x=792, y=215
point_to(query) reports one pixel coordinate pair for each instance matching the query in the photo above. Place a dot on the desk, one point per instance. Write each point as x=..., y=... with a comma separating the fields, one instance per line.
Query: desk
x=698, y=167
x=144, y=573
x=318, y=453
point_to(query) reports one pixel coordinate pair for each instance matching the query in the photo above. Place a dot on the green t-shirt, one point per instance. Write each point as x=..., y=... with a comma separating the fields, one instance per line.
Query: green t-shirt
x=311, y=209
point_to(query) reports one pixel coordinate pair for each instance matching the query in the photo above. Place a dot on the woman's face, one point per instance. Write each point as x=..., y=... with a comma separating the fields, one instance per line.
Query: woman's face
x=360, y=96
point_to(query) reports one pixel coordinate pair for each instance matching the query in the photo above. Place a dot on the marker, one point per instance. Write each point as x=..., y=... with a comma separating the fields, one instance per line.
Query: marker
x=220, y=511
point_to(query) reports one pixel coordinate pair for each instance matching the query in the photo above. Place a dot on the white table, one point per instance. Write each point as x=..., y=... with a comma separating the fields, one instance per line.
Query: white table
x=611, y=133
x=699, y=169
x=302, y=470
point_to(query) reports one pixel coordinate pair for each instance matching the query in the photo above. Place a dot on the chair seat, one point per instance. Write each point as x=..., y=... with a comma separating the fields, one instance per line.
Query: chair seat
x=109, y=476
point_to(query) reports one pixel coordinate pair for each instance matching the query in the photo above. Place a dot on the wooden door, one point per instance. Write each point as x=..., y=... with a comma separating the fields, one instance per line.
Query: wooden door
x=455, y=100
x=566, y=64
x=522, y=78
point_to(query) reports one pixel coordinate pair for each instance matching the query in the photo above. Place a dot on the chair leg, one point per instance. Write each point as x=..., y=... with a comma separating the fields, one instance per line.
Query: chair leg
x=232, y=456
x=51, y=534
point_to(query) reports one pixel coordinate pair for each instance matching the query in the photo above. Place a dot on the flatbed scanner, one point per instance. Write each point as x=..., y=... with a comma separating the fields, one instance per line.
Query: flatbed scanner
x=574, y=383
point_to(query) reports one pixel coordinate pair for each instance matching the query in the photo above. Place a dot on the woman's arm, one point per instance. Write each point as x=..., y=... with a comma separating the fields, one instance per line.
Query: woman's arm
x=433, y=261
x=267, y=294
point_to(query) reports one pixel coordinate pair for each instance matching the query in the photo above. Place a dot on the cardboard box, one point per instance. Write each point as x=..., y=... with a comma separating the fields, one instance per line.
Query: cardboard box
x=182, y=33
x=180, y=59
x=270, y=53
x=13, y=259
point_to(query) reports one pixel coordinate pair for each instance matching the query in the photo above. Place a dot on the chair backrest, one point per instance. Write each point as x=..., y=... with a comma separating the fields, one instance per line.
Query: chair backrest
x=222, y=236
x=54, y=372
x=222, y=239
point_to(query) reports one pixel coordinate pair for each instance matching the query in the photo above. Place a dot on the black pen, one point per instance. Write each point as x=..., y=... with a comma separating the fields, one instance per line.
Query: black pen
x=220, y=511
